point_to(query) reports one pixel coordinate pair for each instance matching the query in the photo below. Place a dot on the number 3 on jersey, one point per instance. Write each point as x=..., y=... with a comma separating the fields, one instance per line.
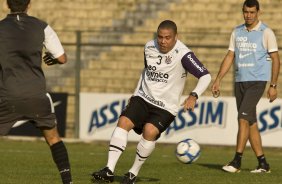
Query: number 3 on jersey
x=160, y=58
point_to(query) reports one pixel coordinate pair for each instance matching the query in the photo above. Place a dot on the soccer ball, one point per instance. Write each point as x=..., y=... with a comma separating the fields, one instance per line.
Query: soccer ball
x=187, y=151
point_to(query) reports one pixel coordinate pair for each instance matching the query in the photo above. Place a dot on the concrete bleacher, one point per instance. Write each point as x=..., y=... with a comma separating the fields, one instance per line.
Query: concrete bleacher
x=114, y=33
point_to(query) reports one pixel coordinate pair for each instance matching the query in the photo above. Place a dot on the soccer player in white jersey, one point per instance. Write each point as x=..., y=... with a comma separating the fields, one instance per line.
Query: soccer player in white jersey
x=156, y=99
x=252, y=46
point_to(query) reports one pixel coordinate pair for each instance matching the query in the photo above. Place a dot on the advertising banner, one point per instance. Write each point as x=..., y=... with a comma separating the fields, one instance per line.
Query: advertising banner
x=214, y=120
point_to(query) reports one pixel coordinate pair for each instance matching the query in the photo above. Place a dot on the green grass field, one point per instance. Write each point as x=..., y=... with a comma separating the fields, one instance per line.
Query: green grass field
x=30, y=162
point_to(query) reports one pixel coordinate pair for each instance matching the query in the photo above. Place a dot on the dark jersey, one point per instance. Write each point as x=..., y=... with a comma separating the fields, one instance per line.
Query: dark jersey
x=21, y=44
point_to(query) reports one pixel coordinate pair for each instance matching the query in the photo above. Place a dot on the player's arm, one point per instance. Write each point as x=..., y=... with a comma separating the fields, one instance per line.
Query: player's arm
x=275, y=67
x=192, y=64
x=55, y=53
x=225, y=65
x=272, y=48
x=272, y=91
x=224, y=68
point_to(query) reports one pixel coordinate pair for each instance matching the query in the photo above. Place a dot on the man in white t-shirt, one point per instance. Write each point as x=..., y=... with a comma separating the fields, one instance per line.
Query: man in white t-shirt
x=156, y=99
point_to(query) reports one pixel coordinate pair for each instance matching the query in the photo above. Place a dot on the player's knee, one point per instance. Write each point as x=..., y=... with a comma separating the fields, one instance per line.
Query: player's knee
x=248, y=120
x=51, y=140
x=125, y=123
x=150, y=132
x=51, y=136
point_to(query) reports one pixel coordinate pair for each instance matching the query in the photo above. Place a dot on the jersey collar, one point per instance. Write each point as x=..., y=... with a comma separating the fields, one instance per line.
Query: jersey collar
x=256, y=28
x=17, y=13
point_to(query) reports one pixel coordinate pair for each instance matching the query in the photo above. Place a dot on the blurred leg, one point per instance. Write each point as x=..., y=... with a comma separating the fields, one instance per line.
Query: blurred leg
x=243, y=135
x=59, y=153
x=255, y=139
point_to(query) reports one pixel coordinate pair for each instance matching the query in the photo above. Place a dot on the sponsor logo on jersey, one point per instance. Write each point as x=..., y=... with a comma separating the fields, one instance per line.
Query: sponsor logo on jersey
x=244, y=45
x=189, y=56
x=152, y=56
x=241, y=56
x=151, y=47
x=154, y=75
x=245, y=65
x=151, y=99
x=160, y=75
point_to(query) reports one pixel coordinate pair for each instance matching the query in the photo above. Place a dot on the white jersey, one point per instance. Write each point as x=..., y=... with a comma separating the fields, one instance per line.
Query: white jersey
x=163, y=78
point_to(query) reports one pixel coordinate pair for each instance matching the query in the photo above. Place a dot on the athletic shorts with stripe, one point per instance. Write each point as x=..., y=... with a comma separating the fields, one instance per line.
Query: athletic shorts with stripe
x=141, y=112
x=39, y=110
x=247, y=96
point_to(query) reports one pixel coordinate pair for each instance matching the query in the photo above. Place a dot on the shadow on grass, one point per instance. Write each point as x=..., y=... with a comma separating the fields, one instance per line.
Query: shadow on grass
x=212, y=166
x=139, y=179
x=219, y=167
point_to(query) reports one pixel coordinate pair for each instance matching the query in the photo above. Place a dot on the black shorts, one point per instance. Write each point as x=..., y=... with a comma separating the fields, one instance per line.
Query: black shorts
x=141, y=112
x=38, y=110
x=247, y=96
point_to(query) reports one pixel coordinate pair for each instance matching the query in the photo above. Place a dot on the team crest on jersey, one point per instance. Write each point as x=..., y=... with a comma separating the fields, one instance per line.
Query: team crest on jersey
x=168, y=59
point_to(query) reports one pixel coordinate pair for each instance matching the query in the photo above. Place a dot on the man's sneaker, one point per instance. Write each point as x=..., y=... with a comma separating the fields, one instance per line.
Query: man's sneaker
x=104, y=174
x=128, y=178
x=232, y=167
x=262, y=168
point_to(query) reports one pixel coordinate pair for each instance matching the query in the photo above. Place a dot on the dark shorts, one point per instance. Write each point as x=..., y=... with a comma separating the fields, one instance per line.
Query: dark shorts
x=141, y=112
x=38, y=110
x=247, y=96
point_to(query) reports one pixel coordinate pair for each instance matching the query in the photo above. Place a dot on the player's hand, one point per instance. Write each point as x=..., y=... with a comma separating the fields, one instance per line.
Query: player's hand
x=189, y=103
x=271, y=94
x=215, y=89
x=49, y=59
x=215, y=93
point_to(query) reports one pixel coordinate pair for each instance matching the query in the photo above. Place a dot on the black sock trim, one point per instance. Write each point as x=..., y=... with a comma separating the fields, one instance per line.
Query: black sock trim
x=116, y=147
x=140, y=156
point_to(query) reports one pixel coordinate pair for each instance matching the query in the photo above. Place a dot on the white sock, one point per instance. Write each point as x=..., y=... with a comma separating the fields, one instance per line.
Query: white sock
x=144, y=150
x=117, y=146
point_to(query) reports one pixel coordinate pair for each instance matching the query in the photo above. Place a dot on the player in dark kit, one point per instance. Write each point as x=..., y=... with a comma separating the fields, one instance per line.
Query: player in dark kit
x=23, y=93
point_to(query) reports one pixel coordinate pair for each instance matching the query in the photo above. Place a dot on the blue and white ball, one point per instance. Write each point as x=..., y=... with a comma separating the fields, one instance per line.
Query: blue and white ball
x=187, y=151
